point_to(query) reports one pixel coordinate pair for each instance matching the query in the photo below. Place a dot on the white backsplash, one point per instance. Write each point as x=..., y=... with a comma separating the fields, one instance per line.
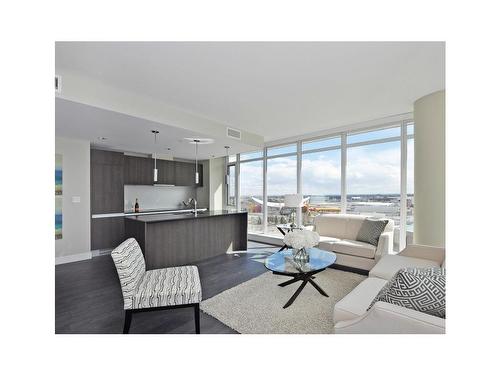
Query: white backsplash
x=157, y=197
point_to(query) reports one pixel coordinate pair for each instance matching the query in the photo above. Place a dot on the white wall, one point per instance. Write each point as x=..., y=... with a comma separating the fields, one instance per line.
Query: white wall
x=75, y=243
x=429, y=116
x=217, y=191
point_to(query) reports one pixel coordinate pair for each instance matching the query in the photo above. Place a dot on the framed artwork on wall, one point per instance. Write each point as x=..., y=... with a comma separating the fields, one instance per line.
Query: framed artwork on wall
x=58, y=196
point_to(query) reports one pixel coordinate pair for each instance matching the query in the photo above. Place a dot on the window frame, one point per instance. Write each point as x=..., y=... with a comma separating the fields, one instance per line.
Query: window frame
x=403, y=138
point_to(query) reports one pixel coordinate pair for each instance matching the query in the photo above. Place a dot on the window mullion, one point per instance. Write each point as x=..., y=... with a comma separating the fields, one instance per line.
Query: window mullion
x=299, y=180
x=343, y=181
x=264, y=192
x=237, y=183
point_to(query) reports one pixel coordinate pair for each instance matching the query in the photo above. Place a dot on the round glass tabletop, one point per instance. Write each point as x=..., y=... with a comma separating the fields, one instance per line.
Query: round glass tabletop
x=289, y=226
x=283, y=261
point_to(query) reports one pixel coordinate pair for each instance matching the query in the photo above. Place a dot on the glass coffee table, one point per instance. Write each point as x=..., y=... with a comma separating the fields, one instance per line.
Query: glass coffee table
x=282, y=263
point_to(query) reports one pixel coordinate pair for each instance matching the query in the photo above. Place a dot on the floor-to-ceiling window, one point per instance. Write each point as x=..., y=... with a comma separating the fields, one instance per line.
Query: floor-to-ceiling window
x=231, y=192
x=321, y=178
x=251, y=185
x=231, y=186
x=374, y=174
x=281, y=180
x=366, y=172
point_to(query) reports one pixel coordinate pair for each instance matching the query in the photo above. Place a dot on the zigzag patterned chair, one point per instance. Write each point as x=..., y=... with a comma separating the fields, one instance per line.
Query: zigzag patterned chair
x=159, y=289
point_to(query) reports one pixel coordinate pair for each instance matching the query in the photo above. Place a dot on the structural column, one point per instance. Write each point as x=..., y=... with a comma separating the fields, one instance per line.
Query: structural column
x=429, y=116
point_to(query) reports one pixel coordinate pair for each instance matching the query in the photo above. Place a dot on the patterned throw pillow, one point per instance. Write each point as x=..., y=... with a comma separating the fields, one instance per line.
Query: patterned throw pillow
x=420, y=289
x=371, y=230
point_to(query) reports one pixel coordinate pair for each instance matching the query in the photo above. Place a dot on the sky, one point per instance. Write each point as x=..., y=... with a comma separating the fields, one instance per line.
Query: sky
x=373, y=169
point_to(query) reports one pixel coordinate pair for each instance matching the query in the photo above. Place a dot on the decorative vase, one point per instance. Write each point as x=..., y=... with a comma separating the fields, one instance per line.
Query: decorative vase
x=301, y=255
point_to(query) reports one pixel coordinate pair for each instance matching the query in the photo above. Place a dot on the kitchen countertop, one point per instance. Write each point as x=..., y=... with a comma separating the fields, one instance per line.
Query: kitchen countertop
x=148, y=210
x=181, y=216
x=143, y=212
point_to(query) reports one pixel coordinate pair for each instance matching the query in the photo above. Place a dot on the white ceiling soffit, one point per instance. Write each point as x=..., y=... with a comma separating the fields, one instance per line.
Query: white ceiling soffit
x=128, y=133
x=272, y=89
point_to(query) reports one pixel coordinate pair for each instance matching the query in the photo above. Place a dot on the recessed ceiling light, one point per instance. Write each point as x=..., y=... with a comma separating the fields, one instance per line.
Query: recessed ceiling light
x=102, y=139
x=200, y=141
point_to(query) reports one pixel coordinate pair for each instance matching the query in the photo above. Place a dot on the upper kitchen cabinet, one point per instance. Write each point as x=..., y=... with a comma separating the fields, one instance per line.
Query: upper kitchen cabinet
x=184, y=174
x=106, y=180
x=138, y=171
x=166, y=172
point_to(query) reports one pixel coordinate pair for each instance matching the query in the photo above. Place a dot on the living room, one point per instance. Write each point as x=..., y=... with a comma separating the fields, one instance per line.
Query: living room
x=181, y=198
x=217, y=197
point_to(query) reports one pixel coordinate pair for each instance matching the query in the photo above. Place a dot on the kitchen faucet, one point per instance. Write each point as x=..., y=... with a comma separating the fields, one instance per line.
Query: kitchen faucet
x=193, y=202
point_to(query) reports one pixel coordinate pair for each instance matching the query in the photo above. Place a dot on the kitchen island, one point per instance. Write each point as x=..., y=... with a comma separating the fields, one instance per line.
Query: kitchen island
x=178, y=239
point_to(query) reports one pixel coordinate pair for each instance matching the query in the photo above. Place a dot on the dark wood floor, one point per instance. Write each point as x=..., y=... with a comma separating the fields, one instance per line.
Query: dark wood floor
x=88, y=296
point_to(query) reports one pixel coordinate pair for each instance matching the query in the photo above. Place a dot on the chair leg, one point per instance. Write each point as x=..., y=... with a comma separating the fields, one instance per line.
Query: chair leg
x=197, y=317
x=128, y=320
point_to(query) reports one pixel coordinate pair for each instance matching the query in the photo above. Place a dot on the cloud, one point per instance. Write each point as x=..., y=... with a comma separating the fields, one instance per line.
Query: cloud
x=373, y=169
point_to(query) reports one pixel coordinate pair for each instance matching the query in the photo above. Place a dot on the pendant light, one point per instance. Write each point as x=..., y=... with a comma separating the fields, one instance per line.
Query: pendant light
x=155, y=170
x=196, y=175
x=196, y=142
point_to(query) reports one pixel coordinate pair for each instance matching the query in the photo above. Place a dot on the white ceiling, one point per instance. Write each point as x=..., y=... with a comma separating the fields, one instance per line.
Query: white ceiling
x=273, y=89
x=128, y=133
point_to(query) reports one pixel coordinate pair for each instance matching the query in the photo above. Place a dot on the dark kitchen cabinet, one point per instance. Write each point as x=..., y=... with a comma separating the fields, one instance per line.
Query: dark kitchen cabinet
x=184, y=174
x=106, y=181
x=138, y=171
x=107, y=233
x=166, y=172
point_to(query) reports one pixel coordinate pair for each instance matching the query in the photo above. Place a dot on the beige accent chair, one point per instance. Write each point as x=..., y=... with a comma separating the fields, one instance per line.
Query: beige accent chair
x=350, y=314
x=338, y=233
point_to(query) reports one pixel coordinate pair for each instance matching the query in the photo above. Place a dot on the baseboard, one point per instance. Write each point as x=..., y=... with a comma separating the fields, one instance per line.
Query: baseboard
x=265, y=239
x=73, y=258
x=97, y=253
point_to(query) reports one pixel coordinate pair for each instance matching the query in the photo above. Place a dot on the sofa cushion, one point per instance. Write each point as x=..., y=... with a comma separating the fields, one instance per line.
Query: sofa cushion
x=327, y=239
x=331, y=225
x=371, y=230
x=357, y=301
x=419, y=289
x=388, y=265
x=349, y=247
x=354, y=224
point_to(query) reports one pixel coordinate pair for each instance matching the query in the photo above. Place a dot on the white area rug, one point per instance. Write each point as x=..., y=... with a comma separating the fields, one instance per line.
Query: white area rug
x=256, y=306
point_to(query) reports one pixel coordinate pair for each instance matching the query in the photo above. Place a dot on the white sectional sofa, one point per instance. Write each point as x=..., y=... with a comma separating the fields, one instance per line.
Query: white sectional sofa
x=350, y=313
x=338, y=234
